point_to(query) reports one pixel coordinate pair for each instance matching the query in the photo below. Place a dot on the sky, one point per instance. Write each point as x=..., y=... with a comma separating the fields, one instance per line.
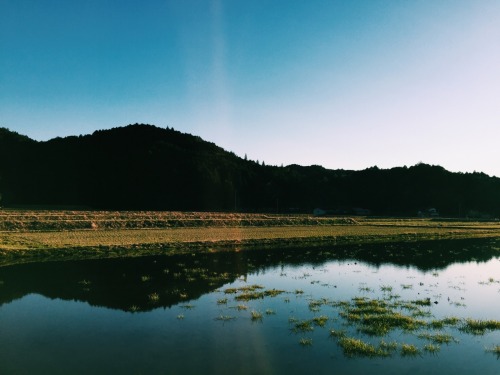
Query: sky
x=344, y=84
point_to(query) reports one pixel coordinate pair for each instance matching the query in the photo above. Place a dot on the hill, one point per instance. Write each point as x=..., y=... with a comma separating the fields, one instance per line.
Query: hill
x=141, y=167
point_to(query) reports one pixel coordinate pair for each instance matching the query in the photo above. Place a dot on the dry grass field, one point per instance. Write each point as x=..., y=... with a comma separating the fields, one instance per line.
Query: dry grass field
x=38, y=235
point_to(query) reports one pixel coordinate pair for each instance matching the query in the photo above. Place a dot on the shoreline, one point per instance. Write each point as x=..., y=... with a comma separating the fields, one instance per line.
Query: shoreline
x=30, y=246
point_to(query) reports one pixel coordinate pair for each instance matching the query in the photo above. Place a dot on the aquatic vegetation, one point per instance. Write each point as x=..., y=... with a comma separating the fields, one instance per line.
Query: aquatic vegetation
x=388, y=346
x=145, y=278
x=407, y=286
x=495, y=350
x=134, y=308
x=386, y=288
x=187, y=307
x=320, y=321
x=490, y=281
x=225, y=318
x=353, y=347
x=154, y=297
x=180, y=316
x=437, y=338
x=409, y=350
x=256, y=315
x=451, y=320
x=303, y=326
x=366, y=289
x=222, y=301
x=479, y=327
x=377, y=318
x=422, y=302
x=432, y=348
x=270, y=312
x=252, y=295
x=305, y=341
x=337, y=333
x=241, y=307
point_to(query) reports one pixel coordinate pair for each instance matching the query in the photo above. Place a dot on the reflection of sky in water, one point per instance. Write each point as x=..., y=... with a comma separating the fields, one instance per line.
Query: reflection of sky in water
x=61, y=336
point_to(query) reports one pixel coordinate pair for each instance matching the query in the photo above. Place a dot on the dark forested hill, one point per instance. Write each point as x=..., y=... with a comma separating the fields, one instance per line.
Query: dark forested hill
x=146, y=167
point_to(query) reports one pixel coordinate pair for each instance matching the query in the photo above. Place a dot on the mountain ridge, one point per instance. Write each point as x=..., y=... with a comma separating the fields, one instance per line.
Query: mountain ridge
x=146, y=167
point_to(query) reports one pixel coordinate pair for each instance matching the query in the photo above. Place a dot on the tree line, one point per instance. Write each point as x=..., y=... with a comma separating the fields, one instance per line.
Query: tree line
x=143, y=167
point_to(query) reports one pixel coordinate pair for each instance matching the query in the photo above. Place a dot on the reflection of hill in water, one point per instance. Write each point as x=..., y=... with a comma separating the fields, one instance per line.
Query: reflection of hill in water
x=136, y=282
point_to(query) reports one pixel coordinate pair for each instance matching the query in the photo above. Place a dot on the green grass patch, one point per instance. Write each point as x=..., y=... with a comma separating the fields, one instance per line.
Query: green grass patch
x=409, y=350
x=479, y=327
x=353, y=347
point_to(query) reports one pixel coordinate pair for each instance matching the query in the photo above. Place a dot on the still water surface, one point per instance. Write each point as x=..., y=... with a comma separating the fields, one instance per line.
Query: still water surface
x=175, y=314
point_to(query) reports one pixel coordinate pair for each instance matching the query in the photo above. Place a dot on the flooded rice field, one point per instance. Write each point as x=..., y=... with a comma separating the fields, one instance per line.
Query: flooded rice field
x=416, y=308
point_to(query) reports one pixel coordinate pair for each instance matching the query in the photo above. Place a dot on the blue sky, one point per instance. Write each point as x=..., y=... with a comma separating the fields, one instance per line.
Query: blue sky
x=344, y=84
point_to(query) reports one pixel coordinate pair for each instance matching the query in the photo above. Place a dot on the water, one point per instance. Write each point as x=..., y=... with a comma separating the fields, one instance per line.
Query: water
x=167, y=315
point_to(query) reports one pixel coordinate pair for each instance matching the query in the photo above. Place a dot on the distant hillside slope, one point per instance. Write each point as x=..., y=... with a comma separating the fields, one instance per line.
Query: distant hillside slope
x=146, y=167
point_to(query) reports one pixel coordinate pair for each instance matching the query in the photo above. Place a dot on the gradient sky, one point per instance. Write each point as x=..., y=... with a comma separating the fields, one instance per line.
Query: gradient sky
x=340, y=83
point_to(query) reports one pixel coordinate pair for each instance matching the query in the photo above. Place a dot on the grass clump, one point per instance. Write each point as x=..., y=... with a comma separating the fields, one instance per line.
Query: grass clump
x=249, y=288
x=479, y=327
x=495, y=350
x=305, y=341
x=222, y=301
x=422, y=302
x=357, y=348
x=270, y=312
x=409, y=350
x=437, y=338
x=154, y=297
x=432, y=348
x=320, y=321
x=225, y=318
x=303, y=326
x=337, y=333
x=256, y=315
x=388, y=346
x=248, y=295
